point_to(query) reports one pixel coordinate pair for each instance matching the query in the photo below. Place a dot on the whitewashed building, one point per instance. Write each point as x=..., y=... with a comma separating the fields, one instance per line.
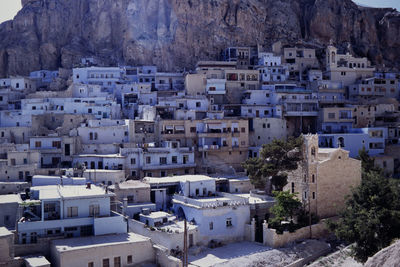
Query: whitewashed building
x=69, y=210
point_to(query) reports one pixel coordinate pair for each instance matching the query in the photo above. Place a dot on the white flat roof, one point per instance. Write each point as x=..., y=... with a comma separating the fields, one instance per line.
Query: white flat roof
x=37, y=261
x=100, y=156
x=177, y=179
x=4, y=231
x=70, y=244
x=133, y=184
x=69, y=191
x=156, y=215
x=10, y=199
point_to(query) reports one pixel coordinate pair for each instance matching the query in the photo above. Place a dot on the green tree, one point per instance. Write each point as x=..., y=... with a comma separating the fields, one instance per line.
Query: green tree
x=276, y=159
x=286, y=206
x=372, y=217
x=367, y=163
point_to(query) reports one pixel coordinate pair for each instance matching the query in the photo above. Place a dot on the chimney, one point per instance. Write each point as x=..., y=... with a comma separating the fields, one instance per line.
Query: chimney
x=89, y=186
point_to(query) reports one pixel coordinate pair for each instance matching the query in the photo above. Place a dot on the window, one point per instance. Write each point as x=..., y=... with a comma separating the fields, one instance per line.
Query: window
x=292, y=188
x=331, y=115
x=96, y=136
x=49, y=207
x=34, y=237
x=198, y=104
x=163, y=160
x=90, y=136
x=229, y=222
x=192, y=129
x=211, y=225
x=243, y=130
x=129, y=259
x=264, y=125
x=12, y=162
x=174, y=159
x=305, y=195
x=313, y=178
x=72, y=212
x=148, y=160
x=56, y=144
x=94, y=210
x=90, y=264
x=268, y=125
x=106, y=262
x=341, y=142
x=313, y=195
x=89, y=110
x=117, y=261
x=38, y=144
x=133, y=161
x=25, y=161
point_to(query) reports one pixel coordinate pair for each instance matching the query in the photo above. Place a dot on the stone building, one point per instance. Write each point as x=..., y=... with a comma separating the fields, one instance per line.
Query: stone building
x=324, y=178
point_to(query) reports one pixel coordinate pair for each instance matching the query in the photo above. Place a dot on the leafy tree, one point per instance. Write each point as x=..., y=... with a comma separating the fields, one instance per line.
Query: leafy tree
x=286, y=206
x=367, y=163
x=372, y=217
x=270, y=169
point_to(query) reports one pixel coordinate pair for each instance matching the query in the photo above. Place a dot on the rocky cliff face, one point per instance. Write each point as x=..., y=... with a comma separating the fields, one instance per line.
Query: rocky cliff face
x=173, y=34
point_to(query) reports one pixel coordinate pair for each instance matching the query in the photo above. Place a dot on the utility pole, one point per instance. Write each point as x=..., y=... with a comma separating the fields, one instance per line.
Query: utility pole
x=185, y=250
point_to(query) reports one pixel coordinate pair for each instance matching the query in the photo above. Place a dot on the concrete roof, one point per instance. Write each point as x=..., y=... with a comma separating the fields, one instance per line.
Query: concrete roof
x=70, y=244
x=5, y=232
x=156, y=215
x=133, y=184
x=177, y=179
x=10, y=199
x=68, y=191
x=99, y=156
x=37, y=261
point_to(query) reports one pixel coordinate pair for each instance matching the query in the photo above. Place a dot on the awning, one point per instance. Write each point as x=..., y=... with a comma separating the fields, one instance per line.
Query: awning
x=179, y=128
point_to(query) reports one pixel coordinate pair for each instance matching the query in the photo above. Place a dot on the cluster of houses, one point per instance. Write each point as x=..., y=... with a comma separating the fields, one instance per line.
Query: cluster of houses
x=125, y=154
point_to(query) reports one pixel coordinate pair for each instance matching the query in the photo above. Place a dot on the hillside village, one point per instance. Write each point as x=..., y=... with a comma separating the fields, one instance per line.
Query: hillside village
x=125, y=165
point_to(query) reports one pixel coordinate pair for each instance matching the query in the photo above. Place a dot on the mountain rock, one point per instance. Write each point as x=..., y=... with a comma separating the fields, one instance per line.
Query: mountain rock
x=389, y=256
x=174, y=34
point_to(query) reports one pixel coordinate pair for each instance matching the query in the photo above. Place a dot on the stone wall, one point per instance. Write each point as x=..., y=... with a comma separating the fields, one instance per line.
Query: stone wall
x=275, y=240
x=42, y=247
x=164, y=259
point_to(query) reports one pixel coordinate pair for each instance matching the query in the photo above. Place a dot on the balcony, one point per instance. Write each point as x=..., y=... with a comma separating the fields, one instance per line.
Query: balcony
x=210, y=148
x=168, y=166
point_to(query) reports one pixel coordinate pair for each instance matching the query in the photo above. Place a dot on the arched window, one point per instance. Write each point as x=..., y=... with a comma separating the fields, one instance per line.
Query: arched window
x=333, y=57
x=341, y=142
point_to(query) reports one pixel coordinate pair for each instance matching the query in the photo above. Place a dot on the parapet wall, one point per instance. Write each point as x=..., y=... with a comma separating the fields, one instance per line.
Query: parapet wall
x=275, y=240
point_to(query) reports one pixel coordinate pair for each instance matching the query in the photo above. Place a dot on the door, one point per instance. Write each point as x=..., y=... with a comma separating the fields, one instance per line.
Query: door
x=67, y=150
x=190, y=240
